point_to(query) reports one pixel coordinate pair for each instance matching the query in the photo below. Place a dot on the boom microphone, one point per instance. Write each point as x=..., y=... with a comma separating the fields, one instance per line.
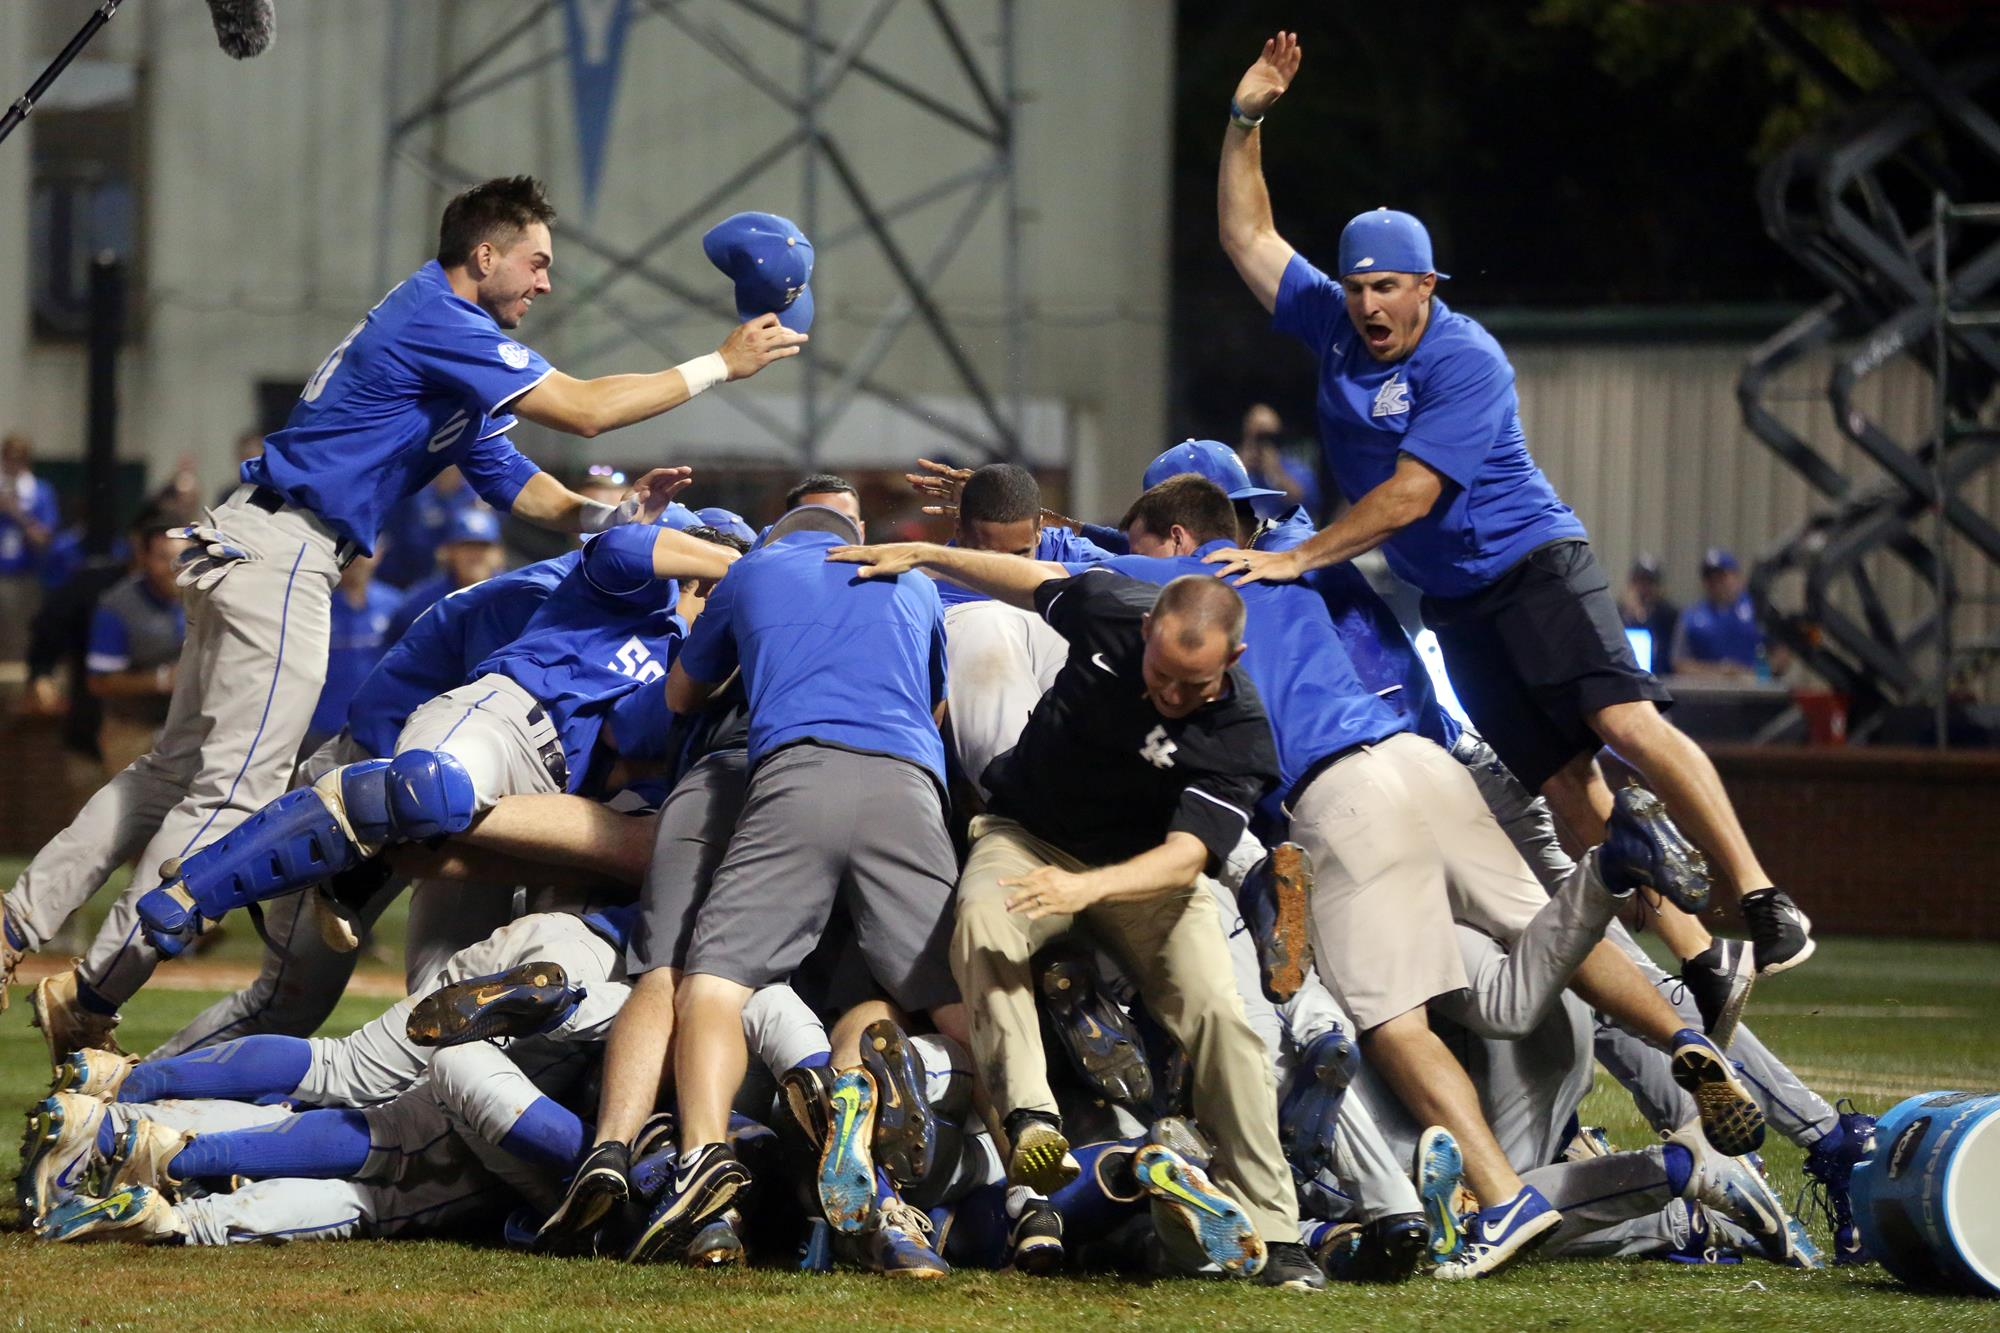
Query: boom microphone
x=244, y=27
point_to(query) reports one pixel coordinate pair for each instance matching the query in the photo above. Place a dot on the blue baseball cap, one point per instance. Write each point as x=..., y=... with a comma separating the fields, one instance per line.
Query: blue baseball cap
x=727, y=520
x=1211, y=459
x=474, y=524
x=1715, y=560
x=1386, y=241
x=770, y=261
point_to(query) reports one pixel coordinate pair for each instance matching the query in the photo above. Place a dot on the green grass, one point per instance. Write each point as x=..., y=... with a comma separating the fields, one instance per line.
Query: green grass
x=1875, y=1020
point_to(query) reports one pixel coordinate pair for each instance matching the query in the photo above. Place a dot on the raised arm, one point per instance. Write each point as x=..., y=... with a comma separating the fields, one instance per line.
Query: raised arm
x=1243, y=204
x=1410, y=492
x=1005, y=578
x=591, y=407
x=547, y=503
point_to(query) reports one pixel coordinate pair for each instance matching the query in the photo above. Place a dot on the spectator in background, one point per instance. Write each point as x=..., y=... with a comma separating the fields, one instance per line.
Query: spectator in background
x=1644, y=606
x=362, y=612
x=135, y=644
x=1263, y=455
x=417, y=526
x=29, y=516
x=249, y=445
x=1719, y=635
x=469, y=553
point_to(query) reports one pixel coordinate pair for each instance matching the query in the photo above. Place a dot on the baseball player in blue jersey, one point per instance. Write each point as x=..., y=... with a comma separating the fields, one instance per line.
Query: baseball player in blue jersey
x=430, y=378
x=1421, y=429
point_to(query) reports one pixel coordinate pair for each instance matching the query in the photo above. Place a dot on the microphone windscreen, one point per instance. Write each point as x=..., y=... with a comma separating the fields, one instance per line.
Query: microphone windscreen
x=243, y=27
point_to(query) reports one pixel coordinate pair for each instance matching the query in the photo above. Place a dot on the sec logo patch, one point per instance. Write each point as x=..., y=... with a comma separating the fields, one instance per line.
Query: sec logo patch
x=515, y=355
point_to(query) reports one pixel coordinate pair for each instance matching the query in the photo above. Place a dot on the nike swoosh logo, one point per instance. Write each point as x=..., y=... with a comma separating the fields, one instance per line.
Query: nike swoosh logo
x=1163, y=1179
x=1496, y=1228
x=849, y=1102
x=1097, y=660
x=69, y=1175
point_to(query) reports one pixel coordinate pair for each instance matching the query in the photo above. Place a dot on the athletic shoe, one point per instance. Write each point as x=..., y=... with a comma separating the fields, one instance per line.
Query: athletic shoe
x=1730, y=1116
x=847, y=1160
x=519, y=1002
x=65, y=1023
x=1718, y=980
x=1781, y=932
x=1040, y=1158
x=718, y=1244
x=1829, y=1174
x=1213, y=1219
x=899, y=1245
x=10, y=958
x=168, y=914
x=1035, y=1240
x=1732, y=1187
x=1178, y=1135
x=1272, y=901
x=1102, y=1043
x=1388, y=1249
x=706, y=1183
x=1496, y=1236
x=93, y=1073
x=1702, y=1245
x=1287, y=1264
x=1644, y=850
x=144, y=1155
x=1310, y=1113
x=138, y=1215
x=657, y=1133
x=806, y=1091
x=905, y=1130
x=58, y=1151
x=1800, y=1252
x=1589, y=1141
x=600, y=1184
x=1440, y=1170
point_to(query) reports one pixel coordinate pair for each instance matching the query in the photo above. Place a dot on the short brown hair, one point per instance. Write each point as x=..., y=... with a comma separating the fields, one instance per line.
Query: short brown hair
x=1190, y=500
x=503, y=207
x=1201, y=603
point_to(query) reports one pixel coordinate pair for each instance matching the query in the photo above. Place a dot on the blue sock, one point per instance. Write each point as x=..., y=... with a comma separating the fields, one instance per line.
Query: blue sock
x=87, y=996
x=239, y=1071
x=817, y=1060
x=321, y=1145
x=1680, y=1166
x=547, y=1135
x=15, y=938
x=107, y=1136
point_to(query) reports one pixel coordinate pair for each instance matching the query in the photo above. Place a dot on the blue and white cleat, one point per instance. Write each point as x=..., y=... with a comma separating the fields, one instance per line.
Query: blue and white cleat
x=1310, y=1113
x=58, y=1152
x=1734, y=1188
x=899, y=1245
x=847, y=1160
x=520, y=1002
x=1644, y=850
x=1212, y=1219
x=1830, y=1171
x=1703, y=1245
x=705, y=1184
x=93, y=1073
x=1800, y=1252
x=1497, y=1236
x=169, y=917
x=1731, y=1119
x=1101, y=1040
x=137, y=1215
x=905, y=1130
x=1440, y=1171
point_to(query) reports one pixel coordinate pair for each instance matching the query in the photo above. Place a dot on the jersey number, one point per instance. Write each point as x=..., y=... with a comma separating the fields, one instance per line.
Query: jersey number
x=317, y=384
x=636, y=661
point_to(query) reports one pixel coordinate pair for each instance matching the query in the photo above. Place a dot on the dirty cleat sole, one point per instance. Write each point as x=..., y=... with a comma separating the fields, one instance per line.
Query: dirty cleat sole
x=846, y=1177
x=1731, y=1120
x=516, y=1003
x=905, y=1131
x=1214, y=1219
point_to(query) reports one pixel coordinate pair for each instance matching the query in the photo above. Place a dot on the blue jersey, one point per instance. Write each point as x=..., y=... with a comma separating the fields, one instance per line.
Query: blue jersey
x=1057, y=544
x=609, y=629
x=413, y=531
x=417, y=599
x=1711, y=633
x=356, y=642
x=1294, y=657
x=444, y=648
x=35, y=500
x=1451, y=404
x=826, y=655
x=414, y=388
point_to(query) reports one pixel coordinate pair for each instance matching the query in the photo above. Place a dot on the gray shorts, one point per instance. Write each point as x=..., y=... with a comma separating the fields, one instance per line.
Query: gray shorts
x=696, y=824
x=822, y=825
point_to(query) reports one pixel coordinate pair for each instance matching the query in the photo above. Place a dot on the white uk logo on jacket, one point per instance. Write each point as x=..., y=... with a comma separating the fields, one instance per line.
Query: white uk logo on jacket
x=1158, y=750
x=1393, y=398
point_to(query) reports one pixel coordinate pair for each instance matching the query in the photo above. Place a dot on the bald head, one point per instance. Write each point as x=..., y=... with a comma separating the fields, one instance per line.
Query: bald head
x=1194, y=634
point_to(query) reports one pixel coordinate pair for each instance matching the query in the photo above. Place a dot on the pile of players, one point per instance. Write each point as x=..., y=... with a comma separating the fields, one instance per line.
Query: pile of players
x=1080, y=910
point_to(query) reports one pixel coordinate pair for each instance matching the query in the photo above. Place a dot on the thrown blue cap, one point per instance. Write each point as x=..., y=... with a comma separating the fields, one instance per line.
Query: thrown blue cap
x=678, y=517
x=727, y=520
x=770, y=261
x=1211, y=459
x=473, y=524
x=1716, y=559
x=1386, y=241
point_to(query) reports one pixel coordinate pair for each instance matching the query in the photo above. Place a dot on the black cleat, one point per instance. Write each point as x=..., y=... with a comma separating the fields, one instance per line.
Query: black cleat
x=1035, y=1241
x=905, y=1129
x=705, y=1185
x=1102, y=1043
x=601, y=1184
x=1288, y=1265
x=1718, y=980
x=520, y=1002
x=1273, y=904
x=1781, y=933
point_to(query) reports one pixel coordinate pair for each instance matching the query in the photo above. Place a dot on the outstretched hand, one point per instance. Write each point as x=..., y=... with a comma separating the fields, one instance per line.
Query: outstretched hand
x=659, y=486
x=881, y=562
x=1254, y=566
x=941, y=484
x=753, y=345
x=1265, y=82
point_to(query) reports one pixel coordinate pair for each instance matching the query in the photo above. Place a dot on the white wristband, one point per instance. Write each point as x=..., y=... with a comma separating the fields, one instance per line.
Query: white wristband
x=704, y=372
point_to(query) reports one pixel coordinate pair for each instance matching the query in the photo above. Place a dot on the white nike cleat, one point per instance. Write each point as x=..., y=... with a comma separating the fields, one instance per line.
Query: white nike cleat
x=1497, y=1236
x=58, y=1152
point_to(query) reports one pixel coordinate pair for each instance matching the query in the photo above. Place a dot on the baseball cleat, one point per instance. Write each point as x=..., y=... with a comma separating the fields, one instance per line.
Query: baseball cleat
x=1829, y=1171
x=138, y=1215
x=519, y=1002
x=1800, y=1252
x=65, y=1023
x=1718, y=979
x=905, y=1130
x=1733, y=1188
x=1781, y=933
x=1589, y=1141
x=144, y=1155
x=1213, y=1219
x=1310, y=1112
x=1730, y=1117
x=600, y=1184
x=1440, y=1171
x=657, y=1133
x=169, y=916
x=1388, y=1249
x=93, y=1073
x=900, y=1246
x=846, y=1179
x=1703, y=1245
x=1496, y=1236
x=1035, y=1240
x=58, y=1151
x=1103, y=1045
x=706, y=1183
x=1272, y=901
x=1287, y=1264
x=805, y=1091
x=1644, y=850
x=1040, y=1159
x=718, y=1244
